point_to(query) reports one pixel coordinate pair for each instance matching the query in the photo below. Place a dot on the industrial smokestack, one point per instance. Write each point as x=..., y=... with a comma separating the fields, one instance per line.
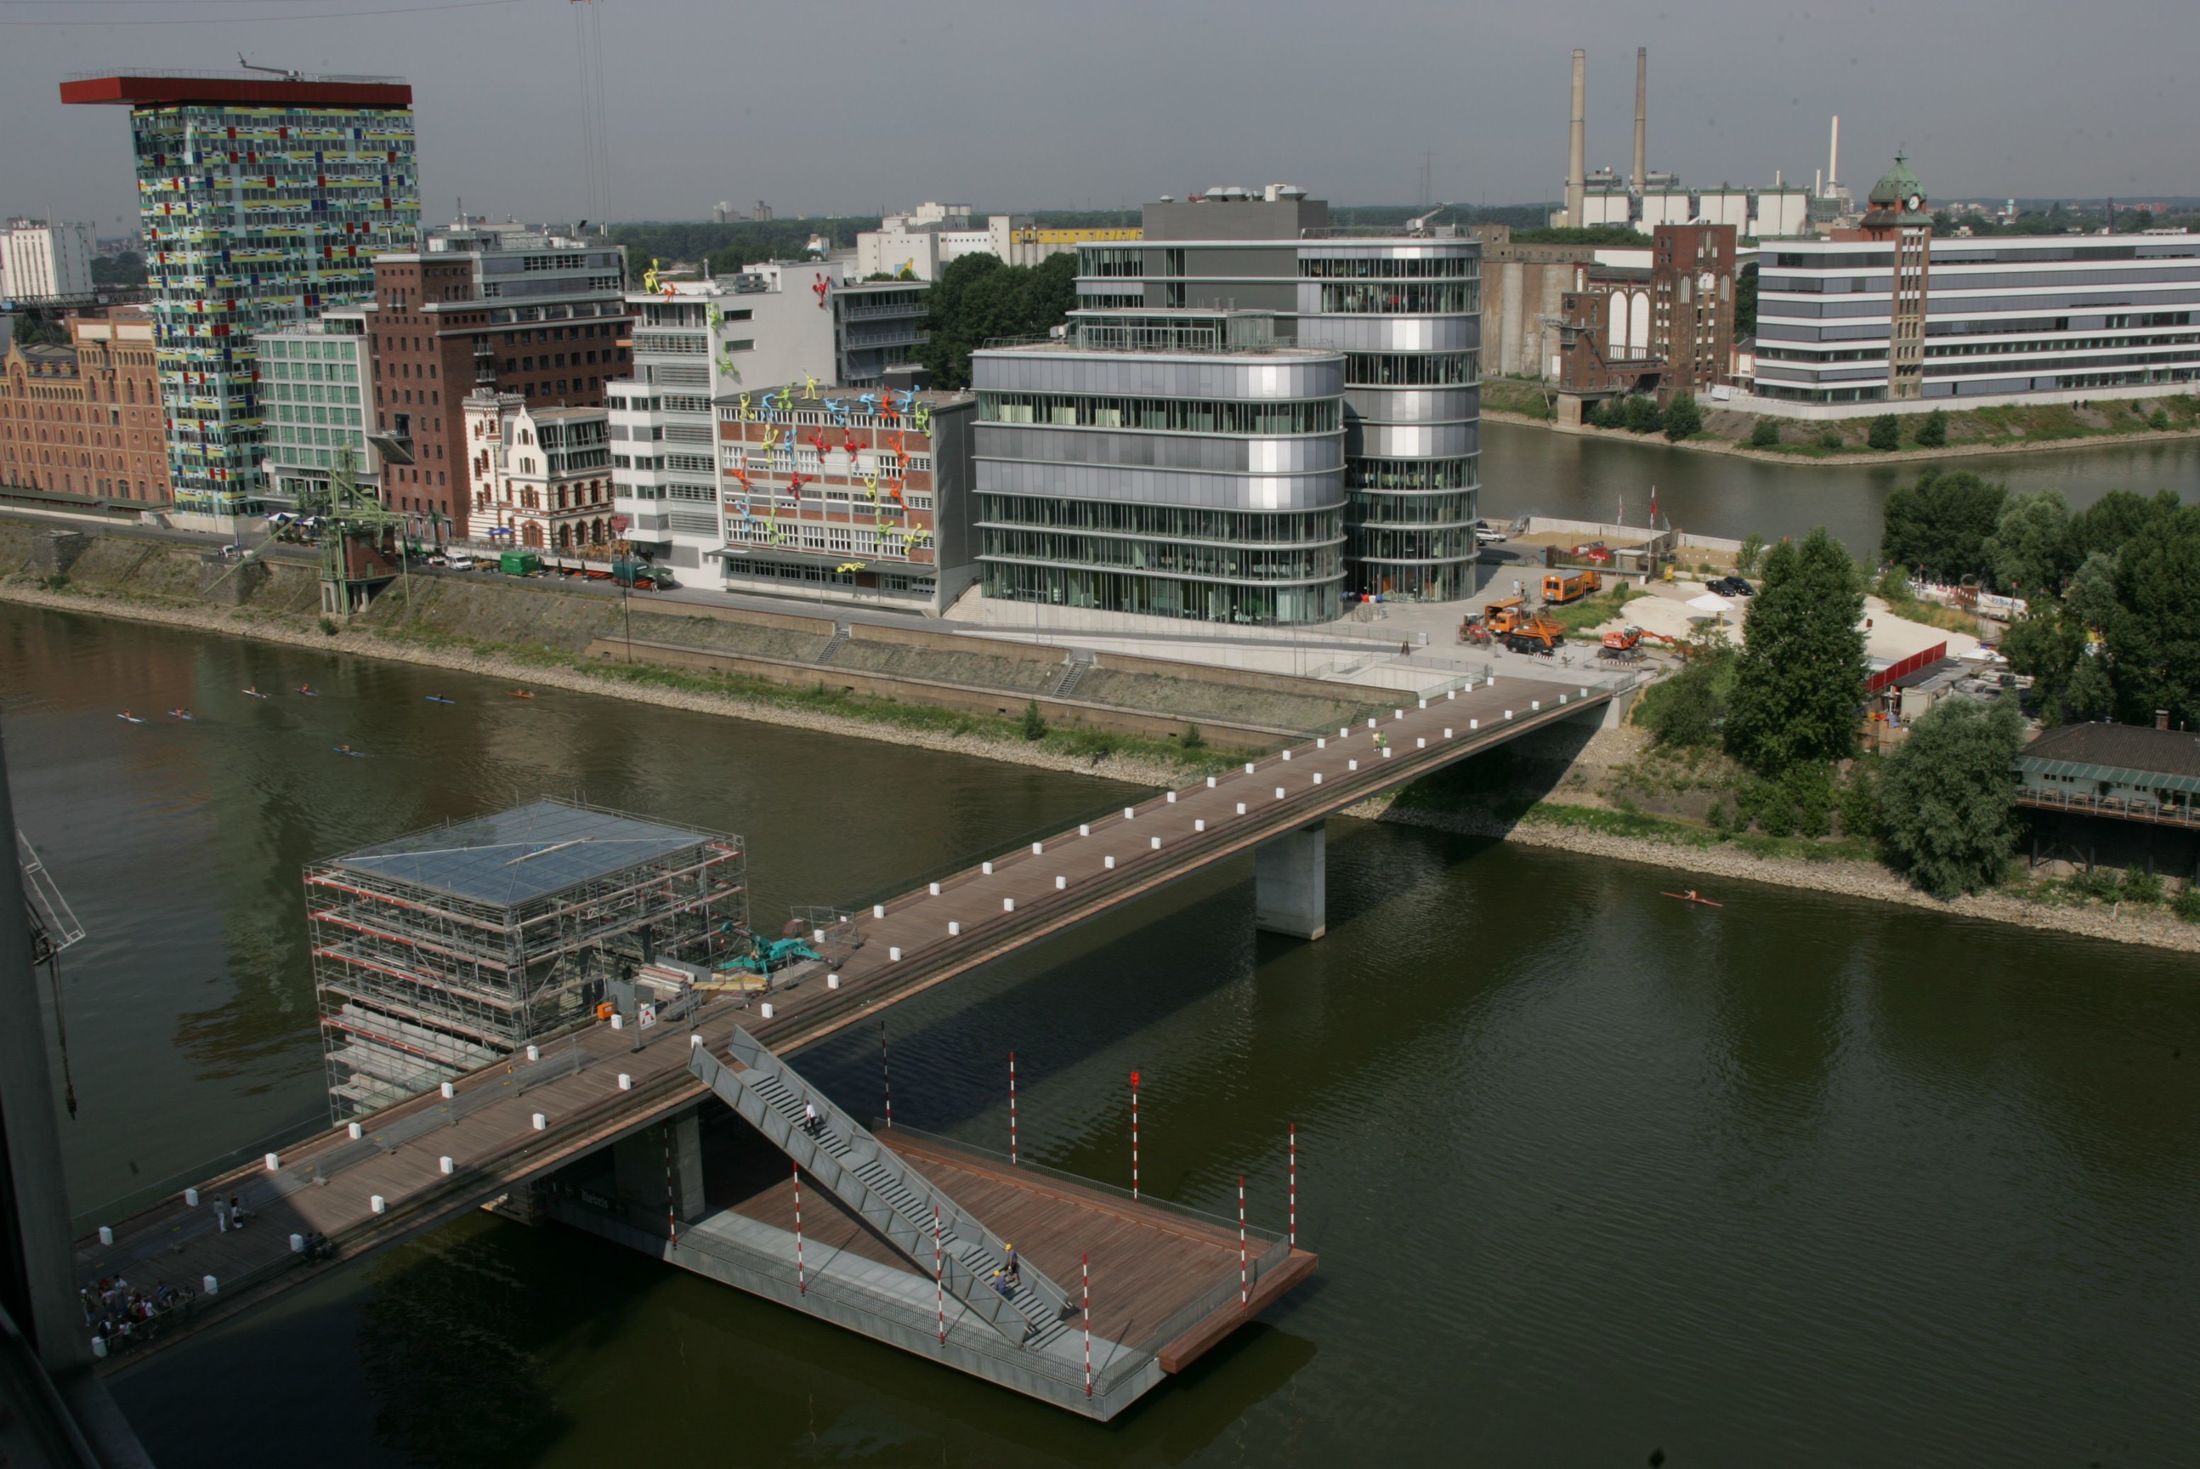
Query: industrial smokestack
x=1818, y=183
x=1833, y=156
x=1642, y=110
x=1577, y=168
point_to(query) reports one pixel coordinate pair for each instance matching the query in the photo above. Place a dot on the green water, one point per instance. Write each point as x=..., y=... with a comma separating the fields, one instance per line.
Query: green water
x=1802, y=1181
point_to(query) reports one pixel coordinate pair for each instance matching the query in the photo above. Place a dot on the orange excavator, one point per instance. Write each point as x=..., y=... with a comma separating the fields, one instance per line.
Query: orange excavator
x=1537, y=634
x=1494, y=621
x=1625, y=645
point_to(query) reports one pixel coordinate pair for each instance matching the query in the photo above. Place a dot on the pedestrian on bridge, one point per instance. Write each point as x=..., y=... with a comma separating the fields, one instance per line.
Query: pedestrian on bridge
x=221, y=1214
x=809, y=1118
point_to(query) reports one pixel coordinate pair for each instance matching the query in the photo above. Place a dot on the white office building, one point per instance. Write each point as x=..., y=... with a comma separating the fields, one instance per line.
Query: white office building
x=315, y=379
x=40, y=261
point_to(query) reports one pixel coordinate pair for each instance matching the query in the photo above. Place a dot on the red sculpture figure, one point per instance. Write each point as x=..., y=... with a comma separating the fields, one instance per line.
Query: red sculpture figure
x=820, y=287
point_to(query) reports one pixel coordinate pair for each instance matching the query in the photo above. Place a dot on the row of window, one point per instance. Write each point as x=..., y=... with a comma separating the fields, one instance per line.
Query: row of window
x=1412, y=369
x=1169, y=558
x=1156, y=595
x=1170, y=415
x=1412, y=474
x=1360, y=267
x=1448, y=298
x=1163, y=522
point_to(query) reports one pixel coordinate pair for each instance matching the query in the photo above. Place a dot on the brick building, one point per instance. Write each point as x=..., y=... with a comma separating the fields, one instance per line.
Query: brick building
x=1659, y=328
x=538, y=477
x=533, y=315
x=85, y=419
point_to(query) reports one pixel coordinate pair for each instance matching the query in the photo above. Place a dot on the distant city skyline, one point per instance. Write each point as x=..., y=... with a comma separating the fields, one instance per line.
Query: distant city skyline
x=1020, y=107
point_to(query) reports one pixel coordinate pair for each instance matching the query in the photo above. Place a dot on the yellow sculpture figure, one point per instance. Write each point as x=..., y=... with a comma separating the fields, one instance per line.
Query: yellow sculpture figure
x=809, y=387
x=870, y=485
x=745, y=416
x=649, y=277
x=924, y=419
x=771, y=437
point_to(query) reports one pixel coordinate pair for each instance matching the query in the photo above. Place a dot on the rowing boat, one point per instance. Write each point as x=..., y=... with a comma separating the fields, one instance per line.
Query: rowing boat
x=1692, y=898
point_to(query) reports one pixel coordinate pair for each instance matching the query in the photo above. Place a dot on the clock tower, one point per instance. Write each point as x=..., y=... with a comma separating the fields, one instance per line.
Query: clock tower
x=1899, y=214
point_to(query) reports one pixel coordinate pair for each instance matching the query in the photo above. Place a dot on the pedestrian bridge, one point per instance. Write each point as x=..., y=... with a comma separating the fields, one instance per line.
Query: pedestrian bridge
x=488, y=1136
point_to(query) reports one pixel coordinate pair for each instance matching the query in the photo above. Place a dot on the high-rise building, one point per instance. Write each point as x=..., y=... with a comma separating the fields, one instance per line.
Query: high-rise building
x=316, y=401
x=40, y=261
x=261, y=200
x=84, y=420
x=539, y=315
x=1404, y=309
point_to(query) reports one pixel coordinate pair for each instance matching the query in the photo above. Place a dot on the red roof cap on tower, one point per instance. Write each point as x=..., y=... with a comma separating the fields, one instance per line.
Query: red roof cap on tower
x=175, y=89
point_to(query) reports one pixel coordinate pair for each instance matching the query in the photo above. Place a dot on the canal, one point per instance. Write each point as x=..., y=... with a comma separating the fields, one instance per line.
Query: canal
x=1802, y=1181
x=1533, y=470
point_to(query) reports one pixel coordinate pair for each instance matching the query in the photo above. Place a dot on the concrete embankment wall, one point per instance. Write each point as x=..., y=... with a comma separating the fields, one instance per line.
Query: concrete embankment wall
x=1145, y=697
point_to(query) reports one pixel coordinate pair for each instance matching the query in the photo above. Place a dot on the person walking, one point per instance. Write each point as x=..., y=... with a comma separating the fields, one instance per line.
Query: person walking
x=809, y=1118
x=221, y=1215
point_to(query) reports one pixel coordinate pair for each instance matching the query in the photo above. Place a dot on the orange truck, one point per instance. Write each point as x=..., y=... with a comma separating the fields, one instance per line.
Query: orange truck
x=1502, y=617
x=1535, y=635
x=1560, y=588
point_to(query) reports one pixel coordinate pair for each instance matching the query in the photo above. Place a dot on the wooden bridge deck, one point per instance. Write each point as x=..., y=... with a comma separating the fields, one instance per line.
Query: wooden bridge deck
x=885, y=955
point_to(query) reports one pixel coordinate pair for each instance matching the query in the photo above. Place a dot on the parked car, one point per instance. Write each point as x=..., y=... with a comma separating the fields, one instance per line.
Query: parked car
x=1596, y=553
x=1486, y=536
x=455, y=562
x=1730, y=586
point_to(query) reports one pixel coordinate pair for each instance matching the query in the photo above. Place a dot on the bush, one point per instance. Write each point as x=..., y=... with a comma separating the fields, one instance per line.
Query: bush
x=1752, y=551
x=2141, y=887
x=2158, y=420
x=1193, y=739
x=1686, y=710
x=1683, y=416
x=1797, y=802
x=1949, y=798
x=328, y=625
x=2186, y=904
x=1764, y=435
x=1035, y=725
x=1886, y=433
x=1829, y=438
x=1857, y=802
x=1641, y=415
x=2095, y=883
x=1932, y=430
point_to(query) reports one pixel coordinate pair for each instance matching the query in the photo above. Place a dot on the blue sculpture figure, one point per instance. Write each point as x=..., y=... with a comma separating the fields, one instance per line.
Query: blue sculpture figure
x=838, y=410
x=869, y=402
x=908, y=400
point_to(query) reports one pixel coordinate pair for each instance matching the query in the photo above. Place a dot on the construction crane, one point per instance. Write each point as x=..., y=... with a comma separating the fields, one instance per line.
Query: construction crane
x=1419, y=227
x=352, y=515
x=287, y=74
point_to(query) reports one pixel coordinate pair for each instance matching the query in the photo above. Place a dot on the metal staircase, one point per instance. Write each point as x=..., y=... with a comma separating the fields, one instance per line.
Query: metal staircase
x=1073, y=672
x=833, y=644
x=884, y=1191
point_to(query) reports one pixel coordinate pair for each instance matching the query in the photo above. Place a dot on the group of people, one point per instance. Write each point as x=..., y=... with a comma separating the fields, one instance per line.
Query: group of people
x=1008, y=1278
x=118, y=1312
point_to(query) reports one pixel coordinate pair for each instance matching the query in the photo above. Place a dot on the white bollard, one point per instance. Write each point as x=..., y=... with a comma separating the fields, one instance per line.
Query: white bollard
x=1279, y=793
x=893, y=952
x=1157, y=844
x=878, y=910
x=1172, y=798
x=106, y=1235
x=1535, y=704
x=954, y=929
x=1420, y=744
x=1371, y=724
x=99, y=1347
x=1508, y=714
x=1352, y=765
x=1108, y=862
x=1210, y=782
x=357, y=1132
x=1287, y=754
x=1397, y=714
x=1447, y=731
x=1322, y=743
x=1474, y=724
x=1584, y=692
x=1199, y=826
x=765, y=1010
x=542, y=1123
x=1488, y=680
x=1317, y=777
x=626, y=1082
x=1386, y=752
x=445, y=1163
x=191, y=1195
x=986, y=868
x=1008, y=905
x=534, y=1053
x=210, y=1286
x=1423, y=704
x=1451, y=693
x=1248, y=767
x=935, y=890
x=273, y=1162
x=695, y=1041
x=298, y=1241
x=1060, y=882
x=1039, y=848
x=618, y=1022
x=817, y=935
x=1343, y=731
x=375, y=1202
x=1562, y=701
x=450, y=1091
x=1241, y=808
x=1083, y=829
x=832, y=982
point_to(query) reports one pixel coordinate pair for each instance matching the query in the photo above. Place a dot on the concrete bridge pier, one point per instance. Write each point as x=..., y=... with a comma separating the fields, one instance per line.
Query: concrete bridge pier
x=1291, y=883
x=663, y=1164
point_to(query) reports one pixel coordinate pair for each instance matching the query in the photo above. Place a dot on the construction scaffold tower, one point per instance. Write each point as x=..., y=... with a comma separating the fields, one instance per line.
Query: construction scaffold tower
x=440, y=952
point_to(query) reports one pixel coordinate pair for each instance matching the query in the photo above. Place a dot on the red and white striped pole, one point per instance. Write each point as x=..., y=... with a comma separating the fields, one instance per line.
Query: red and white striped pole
x=801, y=1275
x=885, y=1074
x=1085, y=1261
x=1134, y=1134
x=1245, y=1284
x=1294, y=1185
x=1012, y=1109
x=939, y=1276
x=672, y=1195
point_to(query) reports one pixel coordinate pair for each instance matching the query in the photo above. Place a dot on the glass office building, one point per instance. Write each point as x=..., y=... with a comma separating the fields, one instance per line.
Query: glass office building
x=1174, y=464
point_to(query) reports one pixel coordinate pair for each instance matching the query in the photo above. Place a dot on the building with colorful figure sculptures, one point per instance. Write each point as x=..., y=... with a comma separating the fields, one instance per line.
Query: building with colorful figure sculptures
x=851, y=494
x=262, y=199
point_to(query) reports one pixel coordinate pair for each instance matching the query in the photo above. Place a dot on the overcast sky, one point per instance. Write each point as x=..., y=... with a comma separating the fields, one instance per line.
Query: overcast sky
x=854, y=107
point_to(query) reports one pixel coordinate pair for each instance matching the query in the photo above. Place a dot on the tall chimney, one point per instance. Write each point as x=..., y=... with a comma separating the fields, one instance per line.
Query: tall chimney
x=1818, y=184
x=1577, y=168
x=1833, y=156
x=1642, y=110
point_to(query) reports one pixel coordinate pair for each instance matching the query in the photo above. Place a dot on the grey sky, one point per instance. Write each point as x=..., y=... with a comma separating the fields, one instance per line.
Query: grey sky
x=858, y=106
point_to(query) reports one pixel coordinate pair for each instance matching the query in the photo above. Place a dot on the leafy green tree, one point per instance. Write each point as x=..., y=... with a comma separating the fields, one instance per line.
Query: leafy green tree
x=1642, y=415
x=1939, y=525
x=1886, y=433
x=2118, y=518
x=1799, y=684
x=1686, y=710
x=1035, y=724
x=1830, y=438
x=1764, y=434
x=1752, y=551
x=1745, y=300
x=2158, y=420
x=1683, y=417
x=1948, y=799
x=2153, y=635
x=2031, y=551
x=1932, y=430
x=978, y=298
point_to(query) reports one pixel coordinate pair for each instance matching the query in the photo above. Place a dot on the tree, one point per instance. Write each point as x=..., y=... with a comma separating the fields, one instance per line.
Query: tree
x=1799, y=684
x=1764, y=434
x=1035, y=724
x=978, y=298
x=1745, y=300
x=1642, y=415
x=1940, y=524
x=2031, y=551
x=2153, y=633
x=1683, y=417
x=1687, y=709
x=1932, y=430
x=1752, y=551
x=1886, y=433
x=2117, y=519
x=1948, y=798
x=2158, y=420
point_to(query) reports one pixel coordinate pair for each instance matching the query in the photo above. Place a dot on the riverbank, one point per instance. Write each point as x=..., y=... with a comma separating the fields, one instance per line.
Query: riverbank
x=1544, y=825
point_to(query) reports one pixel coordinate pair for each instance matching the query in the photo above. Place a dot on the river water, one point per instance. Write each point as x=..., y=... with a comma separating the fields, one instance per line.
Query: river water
x=1802, y=1181
x=1527, y=469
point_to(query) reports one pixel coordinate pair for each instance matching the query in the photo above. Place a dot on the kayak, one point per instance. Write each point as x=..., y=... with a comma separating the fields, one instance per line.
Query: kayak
x=128, y=718
x=522, y=694
x=309, y=693
x=1692, y=898
x=252, y=693
x=439, y=699
x=349, y=754
x=181, y=714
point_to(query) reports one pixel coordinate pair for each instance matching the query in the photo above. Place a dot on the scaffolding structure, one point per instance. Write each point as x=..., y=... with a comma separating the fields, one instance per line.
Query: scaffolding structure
x=440, y=952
